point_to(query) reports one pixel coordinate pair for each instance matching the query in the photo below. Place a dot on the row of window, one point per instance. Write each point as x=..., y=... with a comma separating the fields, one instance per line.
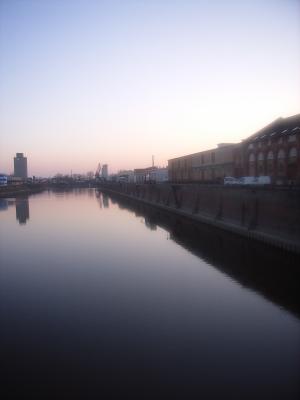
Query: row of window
x=270, y=155
x=290, y=139
x=186, y=162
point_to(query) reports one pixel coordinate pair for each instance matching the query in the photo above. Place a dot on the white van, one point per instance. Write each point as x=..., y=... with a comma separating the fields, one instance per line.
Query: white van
x=255, y=180
x=230, y=180
x=248, y=180
x=264, y=180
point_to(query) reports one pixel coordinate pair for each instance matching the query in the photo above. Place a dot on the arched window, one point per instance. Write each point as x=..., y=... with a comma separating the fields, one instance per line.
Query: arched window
x=293, y=152
x=260, y=156
x=281, y=162
x=270, y=162
x=292, y=157
x=281, y=154
x=260, y=164
x=251, y=166
x=252, y=157
x=292, y=138
x=292, y=164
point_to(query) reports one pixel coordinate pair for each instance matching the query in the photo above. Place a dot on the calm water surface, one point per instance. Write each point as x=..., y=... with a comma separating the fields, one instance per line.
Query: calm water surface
x=99, y=299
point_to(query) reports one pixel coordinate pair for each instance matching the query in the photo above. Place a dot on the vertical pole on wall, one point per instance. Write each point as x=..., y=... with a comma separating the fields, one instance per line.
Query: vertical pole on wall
x=220, y=209
x=196, y=205
x=243, y=213
x=254, y=219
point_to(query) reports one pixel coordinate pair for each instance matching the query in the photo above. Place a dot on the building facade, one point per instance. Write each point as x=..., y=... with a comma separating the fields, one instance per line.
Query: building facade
x=205, y=166
x=125, y=176
x=142, y=175
x=159, y=175
x=20, y=166
x=274, y=151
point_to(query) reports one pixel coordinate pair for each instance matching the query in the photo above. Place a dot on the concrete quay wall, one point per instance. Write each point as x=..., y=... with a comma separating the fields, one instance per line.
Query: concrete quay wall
x=20, y=190
x=271, y=215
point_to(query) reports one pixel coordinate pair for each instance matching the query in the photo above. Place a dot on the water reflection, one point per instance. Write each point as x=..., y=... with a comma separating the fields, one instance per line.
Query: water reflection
x=3, y=204
x=22, y=210
x=93, y=305
x=273, y=273
x=150, y=225
x=103, y=199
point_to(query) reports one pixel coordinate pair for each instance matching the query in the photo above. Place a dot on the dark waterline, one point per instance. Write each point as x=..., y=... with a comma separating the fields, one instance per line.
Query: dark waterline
x=94, y=304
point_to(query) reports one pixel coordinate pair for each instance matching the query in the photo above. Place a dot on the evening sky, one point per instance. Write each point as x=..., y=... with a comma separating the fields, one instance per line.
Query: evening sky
x=114, y=82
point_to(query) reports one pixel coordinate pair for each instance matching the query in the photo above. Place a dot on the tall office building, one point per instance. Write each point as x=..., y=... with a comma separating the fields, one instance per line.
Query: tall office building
x=20, y=166
x=105, y=171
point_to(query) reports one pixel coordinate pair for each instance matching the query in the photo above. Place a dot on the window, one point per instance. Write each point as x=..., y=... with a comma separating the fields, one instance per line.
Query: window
x=260, y=156
x=252, y=157
x=292, y=138
x=292, y=163
x=270, y=162
x=281, y=163
x=281, y=154
x=260, y=163
x=292, y=155
x=251, y=167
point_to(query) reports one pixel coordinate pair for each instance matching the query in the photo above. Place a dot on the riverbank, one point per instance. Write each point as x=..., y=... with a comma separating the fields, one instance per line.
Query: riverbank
x=20, y=190
x=267, y=215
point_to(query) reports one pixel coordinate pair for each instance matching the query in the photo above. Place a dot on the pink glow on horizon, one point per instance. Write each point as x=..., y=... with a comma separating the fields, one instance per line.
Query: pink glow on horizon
x=117, y=83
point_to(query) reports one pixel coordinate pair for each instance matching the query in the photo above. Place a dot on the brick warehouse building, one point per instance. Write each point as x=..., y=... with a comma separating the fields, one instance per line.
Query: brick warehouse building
x=205, y=166
x=272, y=151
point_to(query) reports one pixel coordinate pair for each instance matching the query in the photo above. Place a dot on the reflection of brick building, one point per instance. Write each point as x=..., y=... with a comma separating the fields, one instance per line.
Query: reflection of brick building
x=274, y=151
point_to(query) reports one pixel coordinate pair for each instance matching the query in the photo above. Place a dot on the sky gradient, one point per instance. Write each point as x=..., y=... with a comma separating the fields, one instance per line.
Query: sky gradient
x=114, y=82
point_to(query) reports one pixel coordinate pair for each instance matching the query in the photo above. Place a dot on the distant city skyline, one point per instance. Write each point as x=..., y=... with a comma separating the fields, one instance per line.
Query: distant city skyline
x=111, y=82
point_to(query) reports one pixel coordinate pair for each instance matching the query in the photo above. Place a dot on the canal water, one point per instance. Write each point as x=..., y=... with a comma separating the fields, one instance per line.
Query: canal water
x=101, y=298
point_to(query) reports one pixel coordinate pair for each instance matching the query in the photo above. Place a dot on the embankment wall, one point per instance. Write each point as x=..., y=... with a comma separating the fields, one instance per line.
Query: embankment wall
x=267, y=214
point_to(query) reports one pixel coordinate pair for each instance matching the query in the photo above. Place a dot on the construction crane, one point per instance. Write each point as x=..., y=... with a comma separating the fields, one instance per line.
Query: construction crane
x=98, y=171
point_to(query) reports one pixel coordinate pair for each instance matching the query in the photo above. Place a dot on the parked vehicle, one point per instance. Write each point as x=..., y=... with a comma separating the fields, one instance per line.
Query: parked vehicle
x=264, y=180
x=230, y=180
x=248, y=180
x=255, y=180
